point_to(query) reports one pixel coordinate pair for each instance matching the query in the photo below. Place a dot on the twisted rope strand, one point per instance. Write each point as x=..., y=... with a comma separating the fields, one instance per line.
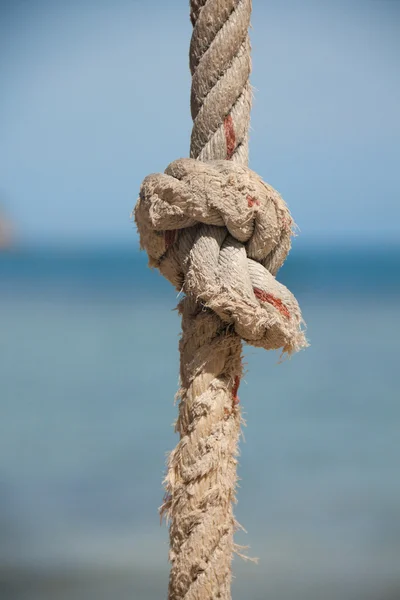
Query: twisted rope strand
x=201, y=475
x=201, y=479
x=217, y=231
x=220, y=64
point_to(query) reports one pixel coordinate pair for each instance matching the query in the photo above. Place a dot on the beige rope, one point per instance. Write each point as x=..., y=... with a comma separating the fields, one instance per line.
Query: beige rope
x=220, y=64
x=220, y=234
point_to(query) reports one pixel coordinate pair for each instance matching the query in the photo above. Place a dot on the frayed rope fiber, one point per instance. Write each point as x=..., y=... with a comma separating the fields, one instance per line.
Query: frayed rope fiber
x=218, y=233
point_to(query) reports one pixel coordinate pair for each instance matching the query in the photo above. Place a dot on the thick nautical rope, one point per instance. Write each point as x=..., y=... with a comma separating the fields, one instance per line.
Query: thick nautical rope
x=220, y=64
x=219, y=234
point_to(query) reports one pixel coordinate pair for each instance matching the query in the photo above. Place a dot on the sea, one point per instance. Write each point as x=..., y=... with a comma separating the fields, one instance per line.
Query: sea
x=88, y=375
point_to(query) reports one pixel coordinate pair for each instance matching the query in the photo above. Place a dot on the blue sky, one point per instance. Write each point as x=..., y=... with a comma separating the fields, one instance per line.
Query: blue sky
x=95, y=95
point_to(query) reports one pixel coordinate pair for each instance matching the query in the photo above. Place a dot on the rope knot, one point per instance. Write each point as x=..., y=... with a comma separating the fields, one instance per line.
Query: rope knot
x=217, y=231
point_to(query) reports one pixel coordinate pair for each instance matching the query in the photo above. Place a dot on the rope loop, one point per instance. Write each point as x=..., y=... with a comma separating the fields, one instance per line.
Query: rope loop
x=220, y=234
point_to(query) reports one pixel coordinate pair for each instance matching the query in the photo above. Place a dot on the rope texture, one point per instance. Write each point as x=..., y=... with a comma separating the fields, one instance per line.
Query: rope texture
x=220, y=234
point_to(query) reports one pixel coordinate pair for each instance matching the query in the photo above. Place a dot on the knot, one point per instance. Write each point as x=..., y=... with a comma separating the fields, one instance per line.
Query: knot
x=220, y=234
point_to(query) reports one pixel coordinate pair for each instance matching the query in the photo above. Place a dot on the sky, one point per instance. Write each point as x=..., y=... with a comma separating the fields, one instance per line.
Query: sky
x=94, y=95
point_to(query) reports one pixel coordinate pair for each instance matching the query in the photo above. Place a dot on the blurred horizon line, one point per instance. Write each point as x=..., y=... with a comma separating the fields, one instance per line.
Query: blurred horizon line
x=299, y=242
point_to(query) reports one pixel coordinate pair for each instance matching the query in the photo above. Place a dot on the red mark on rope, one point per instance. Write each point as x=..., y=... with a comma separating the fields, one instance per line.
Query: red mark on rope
x=230, y=137
x=252, y=202
x=235, y=388
x=276, y=302
x=169, y=238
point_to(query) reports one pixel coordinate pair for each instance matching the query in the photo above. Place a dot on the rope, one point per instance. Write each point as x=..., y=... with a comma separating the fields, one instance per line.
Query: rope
x=220, y=234
x=220, y=64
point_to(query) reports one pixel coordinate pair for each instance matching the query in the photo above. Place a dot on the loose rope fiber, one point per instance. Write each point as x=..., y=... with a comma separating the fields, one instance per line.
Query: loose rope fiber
x=219, y=234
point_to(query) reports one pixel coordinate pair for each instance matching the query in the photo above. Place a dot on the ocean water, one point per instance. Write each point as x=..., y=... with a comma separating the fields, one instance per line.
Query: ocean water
x=88, y=373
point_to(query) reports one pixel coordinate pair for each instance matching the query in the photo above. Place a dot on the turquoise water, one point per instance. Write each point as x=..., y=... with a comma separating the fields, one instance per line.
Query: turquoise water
x=88, y=371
